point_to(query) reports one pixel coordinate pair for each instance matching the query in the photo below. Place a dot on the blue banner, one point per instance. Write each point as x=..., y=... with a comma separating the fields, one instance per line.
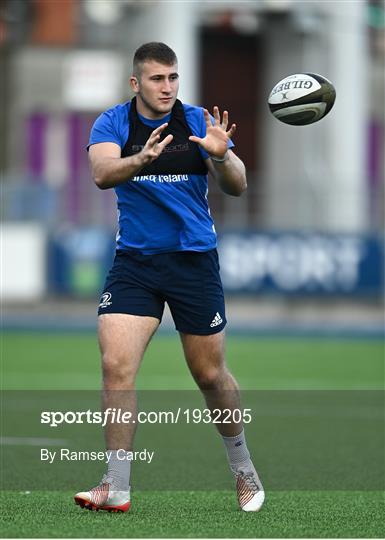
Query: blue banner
x=258, y=262
x=78, y=261
x=301, y=263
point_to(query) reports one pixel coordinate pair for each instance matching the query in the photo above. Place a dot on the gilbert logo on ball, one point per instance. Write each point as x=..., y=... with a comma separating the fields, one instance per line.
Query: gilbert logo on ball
x=303, y=98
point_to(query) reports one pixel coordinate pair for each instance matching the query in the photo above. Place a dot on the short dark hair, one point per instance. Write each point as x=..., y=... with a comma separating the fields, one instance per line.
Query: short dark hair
x=155, y=50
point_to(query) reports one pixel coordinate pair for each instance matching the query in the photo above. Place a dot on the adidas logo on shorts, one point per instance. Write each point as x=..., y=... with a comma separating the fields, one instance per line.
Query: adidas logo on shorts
x=216, y=321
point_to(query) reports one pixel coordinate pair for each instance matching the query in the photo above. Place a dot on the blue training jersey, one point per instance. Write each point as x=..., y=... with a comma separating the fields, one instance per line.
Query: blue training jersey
x=164, y=212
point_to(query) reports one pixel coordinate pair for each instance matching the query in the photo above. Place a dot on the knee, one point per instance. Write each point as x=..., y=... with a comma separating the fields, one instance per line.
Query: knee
x=209, y=378
x=117, y=371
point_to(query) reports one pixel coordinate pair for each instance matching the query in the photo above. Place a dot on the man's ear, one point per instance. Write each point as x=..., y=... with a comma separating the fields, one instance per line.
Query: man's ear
x=134, y=83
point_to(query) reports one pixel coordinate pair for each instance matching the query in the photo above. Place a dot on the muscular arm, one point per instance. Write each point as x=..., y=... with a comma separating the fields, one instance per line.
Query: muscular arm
x=230, y=174
x=109, y=169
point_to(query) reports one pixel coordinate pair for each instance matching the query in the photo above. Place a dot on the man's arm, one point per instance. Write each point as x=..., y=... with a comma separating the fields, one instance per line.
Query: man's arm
x=230, y=174
x=224, y=165
x=109, y=169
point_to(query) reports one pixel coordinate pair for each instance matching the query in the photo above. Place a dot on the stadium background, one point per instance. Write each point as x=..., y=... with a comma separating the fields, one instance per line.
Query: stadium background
x=301, y=252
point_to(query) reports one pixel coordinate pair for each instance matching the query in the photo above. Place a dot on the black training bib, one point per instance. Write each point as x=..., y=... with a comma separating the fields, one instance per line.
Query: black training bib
x=181, y=156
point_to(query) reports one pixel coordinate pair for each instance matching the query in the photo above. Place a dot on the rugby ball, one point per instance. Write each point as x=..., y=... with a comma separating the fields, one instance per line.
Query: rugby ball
x=301, y=99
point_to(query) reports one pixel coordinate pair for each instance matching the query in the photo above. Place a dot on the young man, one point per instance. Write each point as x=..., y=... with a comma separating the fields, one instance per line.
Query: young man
x=156, y=153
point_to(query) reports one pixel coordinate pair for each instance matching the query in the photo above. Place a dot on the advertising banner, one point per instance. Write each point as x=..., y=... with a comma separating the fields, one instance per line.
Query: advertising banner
x=300, y=263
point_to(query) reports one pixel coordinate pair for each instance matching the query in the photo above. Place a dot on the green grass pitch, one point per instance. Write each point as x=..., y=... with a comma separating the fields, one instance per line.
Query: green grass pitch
x=59, y=361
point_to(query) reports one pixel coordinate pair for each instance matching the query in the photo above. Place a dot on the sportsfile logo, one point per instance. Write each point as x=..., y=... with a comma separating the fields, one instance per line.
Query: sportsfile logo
x=105, y=300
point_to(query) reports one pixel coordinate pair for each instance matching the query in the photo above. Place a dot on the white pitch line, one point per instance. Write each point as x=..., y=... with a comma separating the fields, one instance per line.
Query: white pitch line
x=31, y=441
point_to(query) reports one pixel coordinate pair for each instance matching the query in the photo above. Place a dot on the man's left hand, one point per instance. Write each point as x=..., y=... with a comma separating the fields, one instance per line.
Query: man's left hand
x=215, y=142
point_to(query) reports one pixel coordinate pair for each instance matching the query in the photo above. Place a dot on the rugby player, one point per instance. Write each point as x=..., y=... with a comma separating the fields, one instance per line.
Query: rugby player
x=156, y=152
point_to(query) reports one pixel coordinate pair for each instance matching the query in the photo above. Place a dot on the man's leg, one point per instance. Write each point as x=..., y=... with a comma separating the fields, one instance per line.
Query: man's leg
x=123, y=340
x=205, y=357
x=206, y=360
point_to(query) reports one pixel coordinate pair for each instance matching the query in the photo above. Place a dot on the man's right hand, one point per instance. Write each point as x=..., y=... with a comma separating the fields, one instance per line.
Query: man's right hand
x=153, y=148
x=109, y=169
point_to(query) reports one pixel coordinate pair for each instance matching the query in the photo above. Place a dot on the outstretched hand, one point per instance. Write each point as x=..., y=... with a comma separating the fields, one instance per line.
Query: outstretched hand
x=215, y=142
x=153, y=148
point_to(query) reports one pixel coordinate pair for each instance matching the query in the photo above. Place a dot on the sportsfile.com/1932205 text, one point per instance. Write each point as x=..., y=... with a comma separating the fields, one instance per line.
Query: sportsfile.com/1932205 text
x=121, y=416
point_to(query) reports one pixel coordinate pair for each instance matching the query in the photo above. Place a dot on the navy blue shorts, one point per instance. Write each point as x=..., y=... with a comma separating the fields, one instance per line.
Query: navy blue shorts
x=188, y=281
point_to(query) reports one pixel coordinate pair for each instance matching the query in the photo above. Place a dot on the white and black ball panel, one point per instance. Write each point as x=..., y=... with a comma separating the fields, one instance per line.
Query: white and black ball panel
x=301, y=99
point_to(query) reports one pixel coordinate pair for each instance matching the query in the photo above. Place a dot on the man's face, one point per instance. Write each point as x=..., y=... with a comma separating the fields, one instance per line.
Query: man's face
x=156, y=88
